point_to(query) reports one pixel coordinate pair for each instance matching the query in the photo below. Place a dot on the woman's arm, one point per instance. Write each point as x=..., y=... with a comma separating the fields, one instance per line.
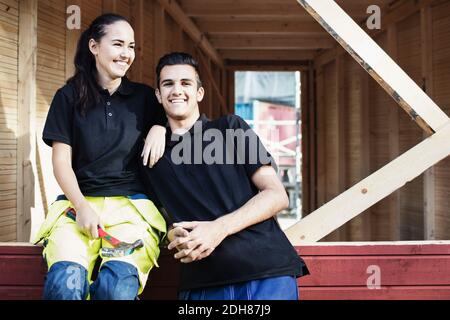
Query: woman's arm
x=155, y=144
x=87, y=219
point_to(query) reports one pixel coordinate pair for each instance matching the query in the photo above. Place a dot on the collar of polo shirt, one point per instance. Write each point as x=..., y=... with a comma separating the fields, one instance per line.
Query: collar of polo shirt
x=169, y=142
x=124, y=89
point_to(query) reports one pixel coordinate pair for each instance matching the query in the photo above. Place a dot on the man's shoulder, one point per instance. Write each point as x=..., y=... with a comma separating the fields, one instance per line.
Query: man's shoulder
x=230, y=121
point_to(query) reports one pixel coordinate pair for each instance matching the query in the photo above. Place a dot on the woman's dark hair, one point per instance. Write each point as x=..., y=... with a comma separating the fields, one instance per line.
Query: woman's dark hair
x=85, y=78
x=176, y=58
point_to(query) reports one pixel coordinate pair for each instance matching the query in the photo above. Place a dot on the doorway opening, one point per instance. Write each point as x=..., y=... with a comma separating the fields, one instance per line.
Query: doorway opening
x=269, y=101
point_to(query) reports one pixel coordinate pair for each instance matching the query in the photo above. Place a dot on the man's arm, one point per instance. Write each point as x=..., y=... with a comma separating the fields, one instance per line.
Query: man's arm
x=205, y=236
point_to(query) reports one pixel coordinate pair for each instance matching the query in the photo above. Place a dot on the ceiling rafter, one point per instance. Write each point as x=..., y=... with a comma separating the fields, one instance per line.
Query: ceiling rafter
x=186, y=23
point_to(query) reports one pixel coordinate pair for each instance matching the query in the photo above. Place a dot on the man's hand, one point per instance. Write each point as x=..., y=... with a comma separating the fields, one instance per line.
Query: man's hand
x=155, y=143
x=200, y=242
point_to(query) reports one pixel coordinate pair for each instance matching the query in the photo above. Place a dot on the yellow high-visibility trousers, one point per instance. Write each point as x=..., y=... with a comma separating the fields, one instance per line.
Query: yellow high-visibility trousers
x=125, y=218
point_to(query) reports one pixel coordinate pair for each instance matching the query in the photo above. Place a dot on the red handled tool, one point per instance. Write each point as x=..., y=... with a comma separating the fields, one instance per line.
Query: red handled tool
x=119, y=249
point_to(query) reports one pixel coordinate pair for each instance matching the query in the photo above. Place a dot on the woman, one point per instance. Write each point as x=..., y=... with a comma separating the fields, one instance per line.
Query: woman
x=96, y=126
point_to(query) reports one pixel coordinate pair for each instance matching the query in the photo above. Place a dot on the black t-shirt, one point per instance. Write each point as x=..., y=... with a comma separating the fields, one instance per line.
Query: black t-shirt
x=107, y=141
x=206, y=188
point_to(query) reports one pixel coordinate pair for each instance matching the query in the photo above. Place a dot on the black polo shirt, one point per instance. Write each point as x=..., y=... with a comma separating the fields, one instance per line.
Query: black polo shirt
x=106, y=142
x=204, y=191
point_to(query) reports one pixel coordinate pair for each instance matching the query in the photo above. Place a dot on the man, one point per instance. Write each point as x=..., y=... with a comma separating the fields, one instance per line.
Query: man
x=217, y=184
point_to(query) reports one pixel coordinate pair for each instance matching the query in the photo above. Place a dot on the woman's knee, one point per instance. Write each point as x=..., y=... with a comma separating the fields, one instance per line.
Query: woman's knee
x=66, y=280
x=116, y=280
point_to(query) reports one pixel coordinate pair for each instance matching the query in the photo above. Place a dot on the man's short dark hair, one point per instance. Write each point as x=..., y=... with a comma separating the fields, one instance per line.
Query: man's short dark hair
x=176, y=58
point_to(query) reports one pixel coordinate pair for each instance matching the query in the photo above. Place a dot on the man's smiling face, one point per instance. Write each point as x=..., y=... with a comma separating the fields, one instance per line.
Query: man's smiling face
x=179, y=92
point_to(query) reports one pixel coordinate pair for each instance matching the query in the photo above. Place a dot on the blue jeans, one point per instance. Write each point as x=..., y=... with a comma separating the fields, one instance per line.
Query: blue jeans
x=275, y=288
x=116, y=280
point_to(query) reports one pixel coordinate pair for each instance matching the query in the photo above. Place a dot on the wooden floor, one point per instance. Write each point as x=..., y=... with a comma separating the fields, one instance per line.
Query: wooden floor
x=339, y=271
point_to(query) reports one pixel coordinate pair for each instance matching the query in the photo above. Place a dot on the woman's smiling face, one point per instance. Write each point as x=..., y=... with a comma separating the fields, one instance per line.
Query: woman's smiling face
x=114, y=53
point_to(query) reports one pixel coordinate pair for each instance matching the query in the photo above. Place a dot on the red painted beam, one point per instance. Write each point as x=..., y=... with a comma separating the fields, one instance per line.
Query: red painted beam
x=384, y=293
x=373, y=248
x=406, y=271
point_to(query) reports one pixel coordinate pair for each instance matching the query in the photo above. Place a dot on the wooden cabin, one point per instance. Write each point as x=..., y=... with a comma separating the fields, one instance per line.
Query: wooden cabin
x=351, y=124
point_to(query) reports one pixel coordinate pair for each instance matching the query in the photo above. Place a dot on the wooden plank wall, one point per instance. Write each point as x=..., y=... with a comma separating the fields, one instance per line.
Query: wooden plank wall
x=331, y=150
x=440, y=21
x=356, y=138
x=379, y=106
x=156, y=33
x=409, y=134
x=9, y=36
x=376, y=130
x=50, y=76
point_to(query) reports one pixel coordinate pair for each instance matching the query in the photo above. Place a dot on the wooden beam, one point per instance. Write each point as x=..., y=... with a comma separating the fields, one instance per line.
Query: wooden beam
x=231, y=89
x=263, y=65
x=305, y=147
x=208, y=99
x=342, y=117
x=372, y=189
x=248, y=8
x=217, y=79
x=137, y=21
x=223, y=87
x=262, y=9
x=321, y=137
x=179, y=39
x=326, y=56
x=186, y=23
x=159, y=45
x=26, y=142
x=109, y=6
x=72, y=36
x=222, y=101
x=394, y=140
x=271, y=42
x=366, y=231
x=282, y=55
x=428, y=86
x=377, y=63
x=312, y=119
x=224, y=26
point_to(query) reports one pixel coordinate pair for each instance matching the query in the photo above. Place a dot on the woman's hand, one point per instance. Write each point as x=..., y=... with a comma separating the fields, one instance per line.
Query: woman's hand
x=155, y=144
x=88, y=220
x=176, y=237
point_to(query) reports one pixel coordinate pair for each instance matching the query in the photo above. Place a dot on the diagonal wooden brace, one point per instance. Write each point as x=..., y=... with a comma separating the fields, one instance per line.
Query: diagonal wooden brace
x=372, y=189
x=377, y=63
